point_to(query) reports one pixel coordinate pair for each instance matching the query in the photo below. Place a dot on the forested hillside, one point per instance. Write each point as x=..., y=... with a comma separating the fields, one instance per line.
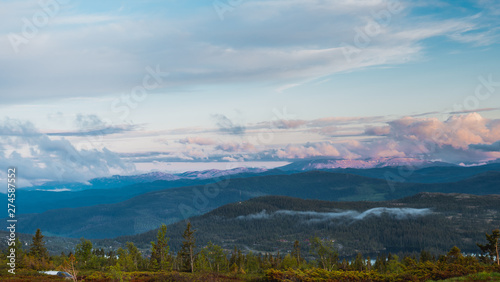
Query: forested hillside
x=149, y=210
x=430, y=221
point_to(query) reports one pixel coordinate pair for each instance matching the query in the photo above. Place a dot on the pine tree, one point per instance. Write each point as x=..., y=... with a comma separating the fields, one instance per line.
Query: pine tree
x=134, y=256
x=216, y=257
x=288, y=262
x=111, y=258
x=326, y=255
x=393, y=264
x=425, y=256
x=122, y=260
x=83, y=251
x=252, y=263
x=237, y=258
x=37, y=248
x=492, y=248
x=187, y=252
x=380, y=263
x=359, y=263
x=344, y=265
x=159, y=251
x=296, y=252
x=454, y=255
x=18, y=250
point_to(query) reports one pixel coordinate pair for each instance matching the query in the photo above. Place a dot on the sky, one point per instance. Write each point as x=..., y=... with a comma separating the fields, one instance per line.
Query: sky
x=95, y=88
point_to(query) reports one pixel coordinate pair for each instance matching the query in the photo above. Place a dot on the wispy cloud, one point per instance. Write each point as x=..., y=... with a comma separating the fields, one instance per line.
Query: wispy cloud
x=197, y=140
x=92, y=125
x=96, y=132
x=341, y=216
x=85, y=19
x=290, y=46
x=228, y=126
x=303, y=43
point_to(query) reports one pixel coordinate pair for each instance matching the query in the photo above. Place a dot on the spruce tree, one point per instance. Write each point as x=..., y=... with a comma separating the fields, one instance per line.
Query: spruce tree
x=159, y=251
x=359, y=263
x=216, y=257
x=187, y=252
x=37, y=248
x=296, y=252
x=83, y=251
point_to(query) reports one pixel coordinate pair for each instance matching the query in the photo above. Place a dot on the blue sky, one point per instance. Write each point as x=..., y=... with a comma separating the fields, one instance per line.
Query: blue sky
x=128, y=86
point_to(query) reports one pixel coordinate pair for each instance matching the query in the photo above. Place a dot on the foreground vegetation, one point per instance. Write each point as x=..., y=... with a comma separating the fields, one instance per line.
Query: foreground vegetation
x=212, y=263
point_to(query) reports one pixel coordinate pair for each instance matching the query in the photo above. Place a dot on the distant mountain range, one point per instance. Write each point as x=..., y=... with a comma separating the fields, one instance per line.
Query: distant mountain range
x=398, y=169
x=120, y=181
x=415, y=170
x=118, y=188
x=321, y=164
x=147, y=211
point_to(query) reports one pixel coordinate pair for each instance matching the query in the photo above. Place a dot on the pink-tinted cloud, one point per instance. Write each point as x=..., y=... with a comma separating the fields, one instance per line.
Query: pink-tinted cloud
x=289, y=124
x=378, y=130
x=191, y=153
x=232, y=159
x=308, y=151
x=465, y=138
x=203, y=141
x=458, y=131
x=453, y=140
x=235, y=147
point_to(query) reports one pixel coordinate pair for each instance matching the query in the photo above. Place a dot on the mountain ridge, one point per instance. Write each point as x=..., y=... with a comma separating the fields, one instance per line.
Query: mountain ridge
x=451, y=219
x=147, y=211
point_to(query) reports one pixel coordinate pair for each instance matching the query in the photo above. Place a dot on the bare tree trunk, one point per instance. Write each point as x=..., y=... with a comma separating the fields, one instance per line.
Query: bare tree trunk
x=191, y=259
x=70, y=268
x=498, y=258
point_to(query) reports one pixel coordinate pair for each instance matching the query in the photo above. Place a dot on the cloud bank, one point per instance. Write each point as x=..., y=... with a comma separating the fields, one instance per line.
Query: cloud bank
x=38, y=157
x=466, y=138
x=349, y=215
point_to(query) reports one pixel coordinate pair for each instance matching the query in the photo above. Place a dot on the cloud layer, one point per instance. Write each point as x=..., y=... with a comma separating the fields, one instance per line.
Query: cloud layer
x=461, y=138
x=88, y=52
x=280, y=42
x=349, y=215
x=41, y=158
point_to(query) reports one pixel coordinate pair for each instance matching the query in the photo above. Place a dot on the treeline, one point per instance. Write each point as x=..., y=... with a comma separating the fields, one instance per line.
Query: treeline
x=321, y=262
